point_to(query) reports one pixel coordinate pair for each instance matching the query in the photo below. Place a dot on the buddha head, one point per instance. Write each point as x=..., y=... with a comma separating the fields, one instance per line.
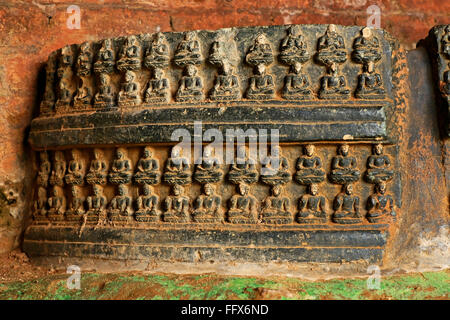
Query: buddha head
x=191, y=70
x=261, y=39
x=98, y=154
x=348, y=189
x=147, y=190
x=177, y=190
x=381, y=188
x=104, y=79
x=75, y=192
x=296, y=67
x=366, y=32
x=59, y=156
x=243, y=189
x=276, y=190
x=122, y=189
x=129, y=76
x=260, y=69
x=331, y=29
x=107, y=44
x=209, y=189
x=148, y=152
x=75, y=154
x=121, y=153
x=98, y=190
x=226, y=68
x=276, y=151
x=313, y=189
x=43, y=156
x=158, y=73
x=343, y=150
x=294, y=31
x=310, y=149
x=378, y=149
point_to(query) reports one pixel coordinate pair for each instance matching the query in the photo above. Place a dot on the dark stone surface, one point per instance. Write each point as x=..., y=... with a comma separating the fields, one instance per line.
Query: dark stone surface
x=320, y=243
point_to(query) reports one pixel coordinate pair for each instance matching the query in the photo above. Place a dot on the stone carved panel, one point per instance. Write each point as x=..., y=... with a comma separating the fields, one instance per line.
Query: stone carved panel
x=332, y=182
x=438, y=45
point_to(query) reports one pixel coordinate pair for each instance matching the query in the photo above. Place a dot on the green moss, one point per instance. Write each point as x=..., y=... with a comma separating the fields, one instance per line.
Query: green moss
x=94, y=286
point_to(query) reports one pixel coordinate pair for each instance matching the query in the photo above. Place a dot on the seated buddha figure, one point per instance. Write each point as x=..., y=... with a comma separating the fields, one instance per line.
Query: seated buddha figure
x=64, y=94
x=366, y=47
x=84, y=60
x=378, y=166
x=147, y=169
x=331, y=47
x=40, y=205
x=243, y=206
x=209, y=170
x=65, y=61
x=216, y=53
x=176, y=206
x=121, y=206
x=59, y=169
x=333, y=85
x=312, y=207
x=275, y=168
x=370, y=84
x=76, y=206
x=56, y=205
x=293, y=48
x=147, y=205
x=121, y=169
x=104, y=98
x=178, y=168
x=446, y=78
x=260, y=52
x=243, y=170
x=226, y=85
x=96, y=205
x=130, y=55
x=75, y=169
x=98, y=170
x=445, y=42
x=158, y=88
x=261, y=86
x=309, y=167
x=343, y=167
x=44, y=169
x=276, y=208
x=83, y=96
x=130, y=93
x=379, y=205
x=158, y=54
x=188, y=51
x=346, y=207
x=296, y=84
x=190, y=86
x=106, y=58
x=208, y=206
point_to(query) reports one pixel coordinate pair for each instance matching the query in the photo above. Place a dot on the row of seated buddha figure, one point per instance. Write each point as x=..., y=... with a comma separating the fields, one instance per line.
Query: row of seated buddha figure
x=445, y=49
x=207, y=207
x=293, y=51
x=147, y=169
x=226, y=87
x=293, y=48
x=275, y=168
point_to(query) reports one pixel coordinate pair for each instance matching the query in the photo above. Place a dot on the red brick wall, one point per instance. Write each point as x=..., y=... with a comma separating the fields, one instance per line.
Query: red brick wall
x=30, y=30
